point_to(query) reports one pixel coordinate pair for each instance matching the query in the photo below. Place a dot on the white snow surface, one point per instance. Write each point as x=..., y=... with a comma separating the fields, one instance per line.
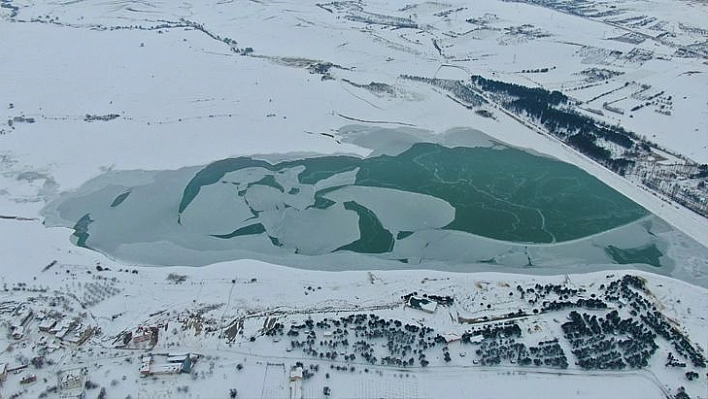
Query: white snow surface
x=184, y=99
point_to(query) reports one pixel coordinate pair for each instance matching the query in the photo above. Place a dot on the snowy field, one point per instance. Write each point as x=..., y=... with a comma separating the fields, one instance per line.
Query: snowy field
x=90, y=90
x=228, y=315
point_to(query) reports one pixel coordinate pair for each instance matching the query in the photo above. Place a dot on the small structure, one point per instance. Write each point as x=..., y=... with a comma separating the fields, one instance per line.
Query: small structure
x=72, y=383
x=28, y=379
x=175, y=364
x=145, y=366
x=451, y=337
x=423, y=304
x=61, y=334
x=296, y=383
x=58, y=327
x=474, y=339
x=184, y=360
x=47, y=324
x=143, y=336
x=18, y=332
x=80, y=335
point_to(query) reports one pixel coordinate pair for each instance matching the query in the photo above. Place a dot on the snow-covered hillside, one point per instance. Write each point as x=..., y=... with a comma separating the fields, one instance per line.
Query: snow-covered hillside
x=90, y=87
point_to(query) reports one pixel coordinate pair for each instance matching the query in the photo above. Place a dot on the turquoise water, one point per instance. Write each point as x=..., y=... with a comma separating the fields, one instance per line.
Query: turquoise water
x=505, y=194
x=461, y=200
x=649, y=255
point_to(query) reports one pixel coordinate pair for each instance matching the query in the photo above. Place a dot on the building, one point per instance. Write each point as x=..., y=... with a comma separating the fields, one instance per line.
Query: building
x=145, y=365
x=72, y=383
x=474, y=339
x=423, y=304
x=143, y=336
x=80, y=335
x=47, y=324
x=58, y=327
x=175, y=364
x=451, y=337
x=183, y=359
x=165, y=369
x=296, y=383
x=18, y=332
x=28, y=379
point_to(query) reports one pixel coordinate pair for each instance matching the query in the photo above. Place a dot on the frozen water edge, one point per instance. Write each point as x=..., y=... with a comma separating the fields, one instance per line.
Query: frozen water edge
x=424, y=248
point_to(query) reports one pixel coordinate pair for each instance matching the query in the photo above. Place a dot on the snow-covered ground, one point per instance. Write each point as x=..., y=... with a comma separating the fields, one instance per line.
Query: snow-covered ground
x=223, y=314
x=90, y=87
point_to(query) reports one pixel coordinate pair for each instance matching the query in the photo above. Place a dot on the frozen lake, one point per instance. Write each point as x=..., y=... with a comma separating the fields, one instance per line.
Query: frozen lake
x=418, y=200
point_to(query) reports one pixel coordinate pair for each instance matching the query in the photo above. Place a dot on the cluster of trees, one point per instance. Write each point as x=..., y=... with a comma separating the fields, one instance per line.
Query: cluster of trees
x=579, y=131
x=671, y=361
x=374, y=87
x=498, y=348
x=13, y=8
x=595, y=345
x=691, y=375
x=506, y=330
x=588, y=303
x=495, y=351
x=538, y=70
x=401, y=340
x=548, y=353
x=521, y=92
x=102, y=118
x=631, y=288
x=378, y=19
x=457, y=88
x=448, y=12
x=661, y=326
x=541, y=291
x=21, y=119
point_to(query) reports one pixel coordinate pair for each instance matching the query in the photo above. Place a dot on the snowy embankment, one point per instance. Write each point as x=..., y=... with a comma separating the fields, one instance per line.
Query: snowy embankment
x=199, y=306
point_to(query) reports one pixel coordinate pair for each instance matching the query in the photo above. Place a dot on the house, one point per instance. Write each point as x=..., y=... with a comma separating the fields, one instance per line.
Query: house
x=145, y=366
x=176, y=364
x=61, y=334
x=451, y=337
x=58, y=327
x=72, y=383
x=47, y=324
x=184, y=360
x=476, y=338
x=143, y=336
x=423, y=304
x=296, y=383
x=81, y=335
x=28, y=379
x=18, y=332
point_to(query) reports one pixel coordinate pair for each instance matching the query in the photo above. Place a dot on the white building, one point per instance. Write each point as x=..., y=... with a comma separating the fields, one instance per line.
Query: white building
x=423, y=304
x=296, y=383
